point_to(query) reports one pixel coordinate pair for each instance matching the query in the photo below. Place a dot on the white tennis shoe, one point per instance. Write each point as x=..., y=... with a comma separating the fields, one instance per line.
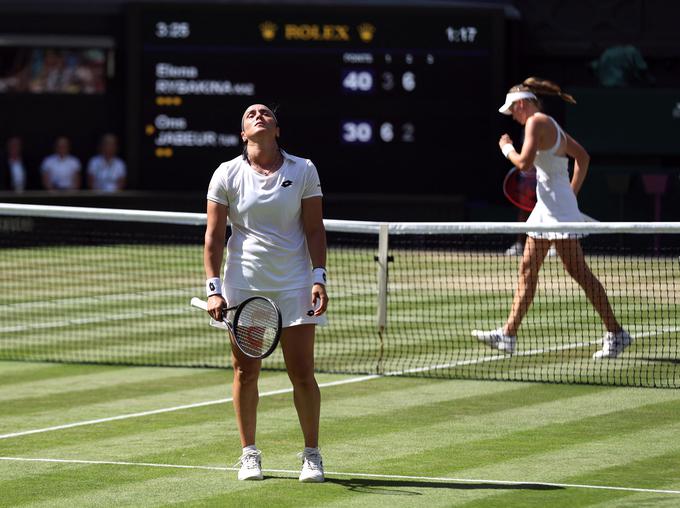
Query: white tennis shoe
x=312, y=467
x=497, y=339
x=251, y=465
x=613, y=344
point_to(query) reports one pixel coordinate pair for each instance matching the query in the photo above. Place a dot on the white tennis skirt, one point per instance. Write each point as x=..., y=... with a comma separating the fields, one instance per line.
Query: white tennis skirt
x=295, y=304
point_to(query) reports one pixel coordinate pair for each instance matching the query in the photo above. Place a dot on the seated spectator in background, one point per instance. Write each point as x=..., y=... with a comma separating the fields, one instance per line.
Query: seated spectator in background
x=61, y=171
x=106, y=172
x=12, y=167
x=620, y=66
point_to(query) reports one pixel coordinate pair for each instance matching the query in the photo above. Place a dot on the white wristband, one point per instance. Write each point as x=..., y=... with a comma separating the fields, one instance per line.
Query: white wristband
x=213, y=286
x=506, y=149
x=319, y=276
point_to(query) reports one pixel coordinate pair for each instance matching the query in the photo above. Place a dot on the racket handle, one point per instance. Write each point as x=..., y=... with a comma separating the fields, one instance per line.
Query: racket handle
x=199, y=304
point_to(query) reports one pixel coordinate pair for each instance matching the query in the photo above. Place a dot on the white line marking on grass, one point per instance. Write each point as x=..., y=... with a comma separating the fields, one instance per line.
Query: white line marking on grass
x=437, y=479
x=359, y=379
x=97, y=299
x=528, y=352
x=37, y=325
x=495, y=358
x=176, y=408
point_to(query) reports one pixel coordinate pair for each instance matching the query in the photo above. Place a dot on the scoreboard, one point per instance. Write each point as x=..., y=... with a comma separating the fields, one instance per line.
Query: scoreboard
x=395, y=99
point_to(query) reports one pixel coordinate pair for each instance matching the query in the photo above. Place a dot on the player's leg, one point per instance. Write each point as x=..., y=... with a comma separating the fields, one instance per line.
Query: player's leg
x=574, y=261
x=297, y=343
x=535, y=250
x=245, y=399
x=505, y=338
x=616, y=339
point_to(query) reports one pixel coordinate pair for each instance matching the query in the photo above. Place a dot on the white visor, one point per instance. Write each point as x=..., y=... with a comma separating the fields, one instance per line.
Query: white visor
x=511, y=98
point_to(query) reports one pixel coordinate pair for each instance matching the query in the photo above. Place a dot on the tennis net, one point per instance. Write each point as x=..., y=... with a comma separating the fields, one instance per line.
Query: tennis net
x=113, y=287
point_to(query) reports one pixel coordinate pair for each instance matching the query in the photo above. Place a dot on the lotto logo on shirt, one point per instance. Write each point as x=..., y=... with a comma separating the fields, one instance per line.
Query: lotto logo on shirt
x=287, y=183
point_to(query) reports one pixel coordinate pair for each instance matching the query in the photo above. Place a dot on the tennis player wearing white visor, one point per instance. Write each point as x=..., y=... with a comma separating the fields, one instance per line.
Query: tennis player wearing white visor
x=277, y=249
x=547, y=148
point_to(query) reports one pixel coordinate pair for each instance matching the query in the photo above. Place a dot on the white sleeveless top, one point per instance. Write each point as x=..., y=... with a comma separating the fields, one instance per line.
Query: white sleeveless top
x=555, y=199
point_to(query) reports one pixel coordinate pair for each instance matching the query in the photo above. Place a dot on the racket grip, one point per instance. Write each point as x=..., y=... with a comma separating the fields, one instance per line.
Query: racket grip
x=199, y=304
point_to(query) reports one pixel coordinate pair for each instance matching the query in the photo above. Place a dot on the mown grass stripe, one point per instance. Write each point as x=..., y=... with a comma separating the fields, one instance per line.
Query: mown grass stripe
x=90, y=485
x=172, y=409
x=88, y=302
x=587, y=455
x=16, y=373
x=208, y=425
x=550, y=435
x=72, y=381
x=107, y=393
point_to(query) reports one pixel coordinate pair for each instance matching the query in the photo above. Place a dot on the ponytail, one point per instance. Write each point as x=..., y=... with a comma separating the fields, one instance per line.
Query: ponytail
x=545, y=87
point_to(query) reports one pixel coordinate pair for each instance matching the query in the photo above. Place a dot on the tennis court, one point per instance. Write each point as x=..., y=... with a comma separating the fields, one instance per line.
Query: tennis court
x=419, y=415
x=386, y=441
x=123, y=298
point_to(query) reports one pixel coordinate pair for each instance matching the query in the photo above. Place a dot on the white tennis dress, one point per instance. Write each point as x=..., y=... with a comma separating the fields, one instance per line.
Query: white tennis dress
x=267, y=251
x=555, y=199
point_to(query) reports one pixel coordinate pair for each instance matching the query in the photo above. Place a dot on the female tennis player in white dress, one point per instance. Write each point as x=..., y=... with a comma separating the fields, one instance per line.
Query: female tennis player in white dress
x=277, y=249
x=546, y=146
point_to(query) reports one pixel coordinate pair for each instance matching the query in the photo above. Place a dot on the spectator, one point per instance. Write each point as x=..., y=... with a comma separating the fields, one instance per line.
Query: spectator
x=106, y=172
x=12, y=167
x=61, y=171
x=621, y=66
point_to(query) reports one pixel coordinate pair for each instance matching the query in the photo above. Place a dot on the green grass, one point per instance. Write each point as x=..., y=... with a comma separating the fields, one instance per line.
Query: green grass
x=428, y=442
x=128, y=304
x=387, y=441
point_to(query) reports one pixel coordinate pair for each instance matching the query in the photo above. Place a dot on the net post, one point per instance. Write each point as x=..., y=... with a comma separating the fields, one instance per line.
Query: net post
x=383, y=260
x=383, y=246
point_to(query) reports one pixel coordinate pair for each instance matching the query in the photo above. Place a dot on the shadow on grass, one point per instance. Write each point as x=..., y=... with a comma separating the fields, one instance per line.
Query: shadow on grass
x=396, y=487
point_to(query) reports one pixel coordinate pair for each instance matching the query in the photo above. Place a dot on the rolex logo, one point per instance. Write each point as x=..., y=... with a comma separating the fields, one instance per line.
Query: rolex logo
x=366, y=32
x=268, y=30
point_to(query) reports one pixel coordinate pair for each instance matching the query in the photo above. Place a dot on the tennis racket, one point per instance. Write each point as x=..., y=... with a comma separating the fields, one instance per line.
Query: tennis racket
x=520, y=188
x=255, y=327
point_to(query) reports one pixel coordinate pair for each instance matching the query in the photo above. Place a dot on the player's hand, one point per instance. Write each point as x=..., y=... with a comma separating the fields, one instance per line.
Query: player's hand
x=215, y=305
x=319, y=299
x=505, y=139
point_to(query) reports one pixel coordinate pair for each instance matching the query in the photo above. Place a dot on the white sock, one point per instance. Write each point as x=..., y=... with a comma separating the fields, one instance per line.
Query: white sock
x=311, y=451
x=250, y=448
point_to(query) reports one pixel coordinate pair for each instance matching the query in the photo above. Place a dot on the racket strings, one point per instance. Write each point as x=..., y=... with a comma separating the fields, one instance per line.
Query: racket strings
x=520, y=188
x=256, y=327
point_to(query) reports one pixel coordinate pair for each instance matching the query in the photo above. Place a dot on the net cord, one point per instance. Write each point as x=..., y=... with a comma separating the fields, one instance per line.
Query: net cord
x=344, y=226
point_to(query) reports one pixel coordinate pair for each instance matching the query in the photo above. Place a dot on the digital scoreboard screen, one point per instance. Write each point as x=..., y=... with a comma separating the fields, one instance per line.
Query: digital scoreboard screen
x=383, y=99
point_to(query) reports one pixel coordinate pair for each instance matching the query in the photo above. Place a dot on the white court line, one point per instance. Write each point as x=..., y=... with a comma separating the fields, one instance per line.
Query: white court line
x=323, y=385
x=96, y=299
x=47, y=325
x=176, y=408
x=436, y=479
x=528, y=352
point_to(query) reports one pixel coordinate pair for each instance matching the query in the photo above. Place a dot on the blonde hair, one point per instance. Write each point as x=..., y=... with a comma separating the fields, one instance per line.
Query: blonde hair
x=540, y=86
